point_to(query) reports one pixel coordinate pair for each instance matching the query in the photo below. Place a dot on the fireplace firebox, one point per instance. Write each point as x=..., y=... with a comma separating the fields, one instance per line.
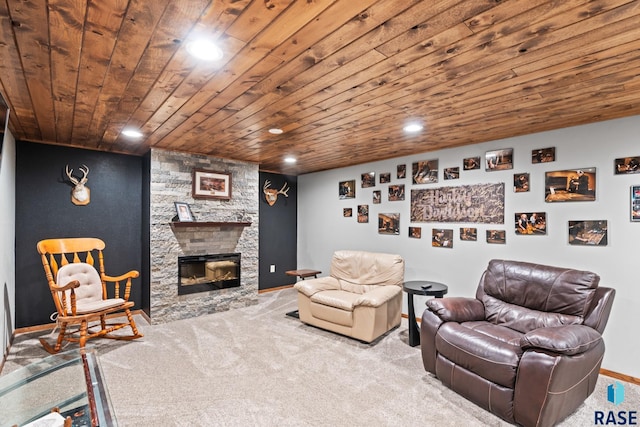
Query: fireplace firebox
x=202, y=273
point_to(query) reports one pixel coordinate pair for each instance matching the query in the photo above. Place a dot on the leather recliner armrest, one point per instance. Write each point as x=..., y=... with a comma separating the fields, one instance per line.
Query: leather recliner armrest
x=567, y=340
x=378, y=296
x=312, y=286
x=457, y=309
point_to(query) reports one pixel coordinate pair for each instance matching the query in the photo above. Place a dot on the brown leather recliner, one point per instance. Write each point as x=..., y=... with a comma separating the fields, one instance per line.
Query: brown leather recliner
x=528, y=348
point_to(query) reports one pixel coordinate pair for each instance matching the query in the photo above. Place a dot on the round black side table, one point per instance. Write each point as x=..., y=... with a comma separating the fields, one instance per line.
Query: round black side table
x=420, y=287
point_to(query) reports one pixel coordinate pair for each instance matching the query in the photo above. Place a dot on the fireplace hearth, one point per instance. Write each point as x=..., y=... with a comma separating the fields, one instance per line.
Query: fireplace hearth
x=203, y=273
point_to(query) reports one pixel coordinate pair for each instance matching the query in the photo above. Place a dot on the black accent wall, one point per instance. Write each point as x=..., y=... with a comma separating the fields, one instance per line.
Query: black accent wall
x=44, y=210
x=278, y=232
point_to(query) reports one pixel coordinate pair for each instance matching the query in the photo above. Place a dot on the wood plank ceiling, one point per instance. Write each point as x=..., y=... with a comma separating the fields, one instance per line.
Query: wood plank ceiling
x=340, y=77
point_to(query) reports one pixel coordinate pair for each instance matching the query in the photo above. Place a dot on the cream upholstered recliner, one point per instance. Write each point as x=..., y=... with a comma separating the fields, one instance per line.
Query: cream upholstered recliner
x=362, y=297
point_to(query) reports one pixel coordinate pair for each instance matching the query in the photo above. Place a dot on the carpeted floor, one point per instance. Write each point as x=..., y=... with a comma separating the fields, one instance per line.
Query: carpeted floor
x=257, y=367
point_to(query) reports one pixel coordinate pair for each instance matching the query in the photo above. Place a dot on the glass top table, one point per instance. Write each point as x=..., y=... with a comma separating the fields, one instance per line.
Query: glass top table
x=70, y=381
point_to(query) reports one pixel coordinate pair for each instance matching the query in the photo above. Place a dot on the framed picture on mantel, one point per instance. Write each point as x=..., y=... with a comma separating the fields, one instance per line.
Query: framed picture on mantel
x=211, y=185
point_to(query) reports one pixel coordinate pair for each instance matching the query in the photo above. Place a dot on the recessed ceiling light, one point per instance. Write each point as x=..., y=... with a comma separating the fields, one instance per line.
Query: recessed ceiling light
x=132, y=133
x=205, y=50
x=413, y=127
x=275, y=131
x=290, y=160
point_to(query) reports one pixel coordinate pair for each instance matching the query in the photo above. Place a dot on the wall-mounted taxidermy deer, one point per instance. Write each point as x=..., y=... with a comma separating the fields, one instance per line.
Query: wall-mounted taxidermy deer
x=80, y=195
x=271, y=194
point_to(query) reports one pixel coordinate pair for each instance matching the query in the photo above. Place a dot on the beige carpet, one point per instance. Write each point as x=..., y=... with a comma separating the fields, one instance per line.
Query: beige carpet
x=257, y=367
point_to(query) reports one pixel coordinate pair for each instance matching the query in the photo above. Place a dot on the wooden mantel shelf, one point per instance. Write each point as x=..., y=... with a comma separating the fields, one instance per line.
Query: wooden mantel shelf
x=177, y=224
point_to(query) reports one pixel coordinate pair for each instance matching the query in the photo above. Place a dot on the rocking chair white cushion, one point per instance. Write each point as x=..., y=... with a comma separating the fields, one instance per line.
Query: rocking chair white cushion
x=89, y=293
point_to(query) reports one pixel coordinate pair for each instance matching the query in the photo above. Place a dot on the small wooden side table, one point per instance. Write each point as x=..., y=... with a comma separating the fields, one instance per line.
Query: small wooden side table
x=302, y=274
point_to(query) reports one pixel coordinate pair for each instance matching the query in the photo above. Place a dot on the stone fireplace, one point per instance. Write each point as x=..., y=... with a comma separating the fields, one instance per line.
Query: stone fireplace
x=221, y=227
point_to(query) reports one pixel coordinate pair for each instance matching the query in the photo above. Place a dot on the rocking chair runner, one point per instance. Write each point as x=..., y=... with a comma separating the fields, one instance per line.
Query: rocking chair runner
x=81, y=294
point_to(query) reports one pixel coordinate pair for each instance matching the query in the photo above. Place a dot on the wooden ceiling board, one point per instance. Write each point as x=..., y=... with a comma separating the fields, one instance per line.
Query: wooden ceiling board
x=339, y=77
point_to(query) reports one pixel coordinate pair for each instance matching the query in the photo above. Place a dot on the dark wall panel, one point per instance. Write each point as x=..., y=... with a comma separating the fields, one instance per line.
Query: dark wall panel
x=278, y=232
x=44, y=210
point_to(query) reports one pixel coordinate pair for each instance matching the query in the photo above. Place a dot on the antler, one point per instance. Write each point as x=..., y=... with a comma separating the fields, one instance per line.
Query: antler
x=283, y=191
x=267, y=184
x=85, y=172
x=71, y=178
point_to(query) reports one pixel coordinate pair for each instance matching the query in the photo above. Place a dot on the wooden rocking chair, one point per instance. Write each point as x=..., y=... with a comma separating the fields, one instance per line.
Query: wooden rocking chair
x=81, y=294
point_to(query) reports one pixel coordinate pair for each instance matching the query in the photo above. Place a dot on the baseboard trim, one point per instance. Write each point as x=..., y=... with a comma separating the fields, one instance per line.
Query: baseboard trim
x=279, y=288
x=619, y=376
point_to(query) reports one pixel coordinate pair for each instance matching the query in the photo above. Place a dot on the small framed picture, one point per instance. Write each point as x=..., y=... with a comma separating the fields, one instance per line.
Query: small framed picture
x=389, y=223
x=442, y=238
x=588, y=233
x=626, y=165
x=377, y=197
x=452, y=173
x=368, y=179
x=183, y=212
x=498, y=237
x=347, y=212
x=385, y=177
x=571, y=185
x=401, y=171
x=396, y=192
x=469, y=234
x=415, y=232
x=520, y=182
x=425, y=172
x=497, y=160
x=471, y=163
x=211, y=185
x=347, y=189
x=363, y=213
x=635, y=203
x=543, y=155
x=531, y=223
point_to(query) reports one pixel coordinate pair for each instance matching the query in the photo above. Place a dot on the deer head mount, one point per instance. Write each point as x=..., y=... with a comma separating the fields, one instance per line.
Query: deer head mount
x=271, y=194
x=80, y=195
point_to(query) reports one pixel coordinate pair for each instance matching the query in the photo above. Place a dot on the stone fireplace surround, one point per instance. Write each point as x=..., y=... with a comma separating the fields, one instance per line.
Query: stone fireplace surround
x=234, y=228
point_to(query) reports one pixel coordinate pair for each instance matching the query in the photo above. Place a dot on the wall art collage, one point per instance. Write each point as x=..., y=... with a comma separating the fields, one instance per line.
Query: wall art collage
x=485, y=203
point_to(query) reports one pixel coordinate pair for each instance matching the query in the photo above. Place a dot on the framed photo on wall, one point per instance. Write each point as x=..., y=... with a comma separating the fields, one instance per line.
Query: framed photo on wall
x=626, y=165
x=520, y=182
x=211, y=185
x=471, y=163
x=415, y=232
x=497, y=160
x=543, y=155
x=570, y=185
x=442, y=238
x=469, y=234
x=363, y=213
x=424, y=172
x=368, y=179
x=389, y=223
x=531, y=223
x=635, y=203
x=396, y=192
x=347, y=189
x=498, y=237
x=588, y=233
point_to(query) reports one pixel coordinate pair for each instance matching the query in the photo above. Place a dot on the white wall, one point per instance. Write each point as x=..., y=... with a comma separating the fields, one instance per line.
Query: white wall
x=7, y=240
x=323, y=229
